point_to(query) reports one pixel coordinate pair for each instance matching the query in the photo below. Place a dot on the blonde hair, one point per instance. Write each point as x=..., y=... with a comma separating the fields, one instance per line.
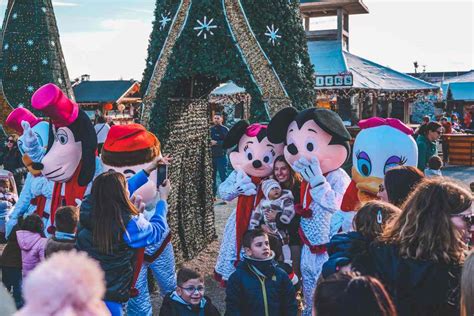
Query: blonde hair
x=467, y=287
x=424, y=230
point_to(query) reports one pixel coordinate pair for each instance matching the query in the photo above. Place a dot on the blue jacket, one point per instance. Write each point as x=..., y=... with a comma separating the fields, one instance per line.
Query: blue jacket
x=260, y=288
x=119, y=264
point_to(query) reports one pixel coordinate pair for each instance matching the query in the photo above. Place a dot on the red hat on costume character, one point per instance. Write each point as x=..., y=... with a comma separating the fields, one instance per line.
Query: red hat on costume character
x=129, y=145
x=17, y=116
x=55, y=104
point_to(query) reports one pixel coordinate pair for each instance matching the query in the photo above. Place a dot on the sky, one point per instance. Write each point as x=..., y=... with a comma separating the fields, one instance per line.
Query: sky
x=108, y=39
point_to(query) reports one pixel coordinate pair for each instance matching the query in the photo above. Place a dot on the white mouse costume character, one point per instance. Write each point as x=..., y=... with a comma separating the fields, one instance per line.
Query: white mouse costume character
x=317, y=145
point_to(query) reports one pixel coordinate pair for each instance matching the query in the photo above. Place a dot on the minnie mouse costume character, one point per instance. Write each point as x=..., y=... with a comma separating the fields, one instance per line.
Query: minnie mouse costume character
x=253, y=161
x=316, y=146
x=37, y=190
x=70, y=161
x=380, y=145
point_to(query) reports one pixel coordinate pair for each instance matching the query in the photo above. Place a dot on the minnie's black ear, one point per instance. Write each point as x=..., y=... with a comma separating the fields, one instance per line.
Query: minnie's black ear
x=235, y=134
x=278, y=126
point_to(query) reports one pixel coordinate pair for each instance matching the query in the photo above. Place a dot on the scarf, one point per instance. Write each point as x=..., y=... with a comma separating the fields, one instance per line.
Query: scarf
x=245, y=206
x=73, y=191
x=262, y=267
x=350, y=201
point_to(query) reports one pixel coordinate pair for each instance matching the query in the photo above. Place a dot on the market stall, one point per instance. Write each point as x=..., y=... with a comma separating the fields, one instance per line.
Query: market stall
x=461, y=149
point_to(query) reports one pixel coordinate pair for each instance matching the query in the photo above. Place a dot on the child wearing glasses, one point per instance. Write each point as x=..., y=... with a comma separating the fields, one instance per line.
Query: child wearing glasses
x=188, y=299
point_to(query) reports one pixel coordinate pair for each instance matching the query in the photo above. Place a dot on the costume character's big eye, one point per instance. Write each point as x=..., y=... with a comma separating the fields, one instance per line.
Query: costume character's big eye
x=364, y=164
x=392, y=162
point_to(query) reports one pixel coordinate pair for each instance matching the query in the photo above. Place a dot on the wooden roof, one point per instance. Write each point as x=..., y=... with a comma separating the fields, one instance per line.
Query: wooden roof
x=329, y=7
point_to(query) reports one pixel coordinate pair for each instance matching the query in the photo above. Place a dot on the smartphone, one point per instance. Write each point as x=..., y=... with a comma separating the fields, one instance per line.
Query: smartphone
x=162, y=175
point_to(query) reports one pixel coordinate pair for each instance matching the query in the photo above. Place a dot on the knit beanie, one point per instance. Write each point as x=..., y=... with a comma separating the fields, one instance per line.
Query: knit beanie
x=269, y=184
x=129, y=145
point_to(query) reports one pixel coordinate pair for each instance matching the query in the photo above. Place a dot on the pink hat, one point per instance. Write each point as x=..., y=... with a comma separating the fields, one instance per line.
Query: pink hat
x=55, y=104
x=17, y=116
x=392, y=122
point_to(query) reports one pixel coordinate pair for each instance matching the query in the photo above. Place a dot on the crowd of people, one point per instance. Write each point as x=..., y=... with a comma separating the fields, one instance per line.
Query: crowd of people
x=406, y=252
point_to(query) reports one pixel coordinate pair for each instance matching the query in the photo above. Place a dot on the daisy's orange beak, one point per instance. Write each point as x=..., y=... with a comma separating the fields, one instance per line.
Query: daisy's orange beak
x=368, y=186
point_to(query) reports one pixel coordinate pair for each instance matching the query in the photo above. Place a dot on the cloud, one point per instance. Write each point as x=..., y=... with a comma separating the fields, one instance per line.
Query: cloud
x=117, y=50
x=64, y=4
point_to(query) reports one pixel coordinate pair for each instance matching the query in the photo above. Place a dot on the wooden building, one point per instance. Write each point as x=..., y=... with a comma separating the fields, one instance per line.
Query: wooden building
x=117, y=99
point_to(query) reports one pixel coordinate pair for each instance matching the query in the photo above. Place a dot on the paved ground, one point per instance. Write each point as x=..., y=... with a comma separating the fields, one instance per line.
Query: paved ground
x=464, y=174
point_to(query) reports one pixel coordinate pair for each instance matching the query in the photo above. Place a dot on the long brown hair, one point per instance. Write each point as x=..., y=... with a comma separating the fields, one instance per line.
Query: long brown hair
x=109, y=202
x=424, y=230
x=295, y=178
x=467, y=287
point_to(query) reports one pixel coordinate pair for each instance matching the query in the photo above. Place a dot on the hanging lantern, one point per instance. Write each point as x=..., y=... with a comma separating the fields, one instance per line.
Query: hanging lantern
x=108, y=107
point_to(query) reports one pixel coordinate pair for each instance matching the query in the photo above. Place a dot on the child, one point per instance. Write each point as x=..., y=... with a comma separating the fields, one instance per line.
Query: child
x=64, y=238
x=8, y=198
x=275, y=199
x=32, y=243
x=258, y=286
x=350, y=250
x=10, y=261
x=188, y=298
x=67, y=283
x=434, y=167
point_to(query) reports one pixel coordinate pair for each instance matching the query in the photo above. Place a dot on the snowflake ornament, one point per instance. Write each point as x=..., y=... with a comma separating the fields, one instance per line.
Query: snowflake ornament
x=44, y=61
x=14, y=68
x=53, y=43
x=44, y=9
x=205, y=27
x=30, y=88
x=299, y=63
x=14, y=16
x=30, y=42
x=272, y=34
x=21, y=105
x=60, y=80
x=164, y=21
x=6, y=46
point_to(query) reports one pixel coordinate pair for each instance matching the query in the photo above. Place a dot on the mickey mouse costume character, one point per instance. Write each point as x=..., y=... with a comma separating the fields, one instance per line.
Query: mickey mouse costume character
x=316, y=146
x=37, y=190
x=70, y=161
x=128, y=149
x=380, y=145
x=253, y=161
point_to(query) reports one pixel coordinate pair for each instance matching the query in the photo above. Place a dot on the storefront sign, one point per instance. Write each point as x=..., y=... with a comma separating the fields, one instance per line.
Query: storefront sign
x=334, y=81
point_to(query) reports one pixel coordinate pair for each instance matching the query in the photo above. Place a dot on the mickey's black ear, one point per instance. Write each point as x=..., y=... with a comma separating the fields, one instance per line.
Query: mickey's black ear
x=89, y=147
x=235, y=133
x=331, y=123
x=278, y=126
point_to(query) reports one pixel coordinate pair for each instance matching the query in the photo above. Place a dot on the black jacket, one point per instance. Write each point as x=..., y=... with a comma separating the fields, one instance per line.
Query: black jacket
x=245, y=295
x=118, y=265
x=417, y=287
x=170, y=307
x=218, y=133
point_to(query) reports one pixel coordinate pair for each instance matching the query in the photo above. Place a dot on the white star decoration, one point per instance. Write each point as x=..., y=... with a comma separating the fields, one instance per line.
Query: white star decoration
x=30, y=88
x=164, y=21
x=14, y=68
x=30, y=42
x=272, y=34
x=6, y=46
x=14, y=16
x=44, y=61
x=205, y=27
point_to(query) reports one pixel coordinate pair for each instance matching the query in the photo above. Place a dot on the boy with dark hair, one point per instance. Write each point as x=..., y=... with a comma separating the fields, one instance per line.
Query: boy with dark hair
x=188, y=299
x=259, y=286
x=434, y=167
x=64, y=238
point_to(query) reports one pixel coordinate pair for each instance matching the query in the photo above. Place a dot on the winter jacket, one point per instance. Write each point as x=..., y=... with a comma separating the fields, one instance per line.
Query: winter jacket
x=32, y=249
x=417, y=287
x=120, y=263
x=260, y=288
x=11, y=255
x=426, y=150
x=173, y=305
x=55, y=245
x=218, y=133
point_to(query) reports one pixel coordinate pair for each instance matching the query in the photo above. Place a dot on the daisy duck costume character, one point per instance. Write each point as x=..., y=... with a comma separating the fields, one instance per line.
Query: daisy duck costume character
x=316, y=146
x=128, y=149
x=380, y=145
x=37, y=191
x=252, y=161
x=70, y=161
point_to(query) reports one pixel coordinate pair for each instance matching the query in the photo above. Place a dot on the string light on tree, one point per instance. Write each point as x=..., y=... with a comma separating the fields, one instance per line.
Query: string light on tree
x=272, y=34
x=205, y=27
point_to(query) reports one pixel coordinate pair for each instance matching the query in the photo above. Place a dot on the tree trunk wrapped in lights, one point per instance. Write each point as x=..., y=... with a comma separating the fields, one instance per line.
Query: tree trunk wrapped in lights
x=31, y=51
x=196, y=45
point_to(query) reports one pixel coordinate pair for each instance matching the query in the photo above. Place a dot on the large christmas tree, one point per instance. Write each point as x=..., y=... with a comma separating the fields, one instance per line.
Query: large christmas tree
x=194, y=46
x=31, y=51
